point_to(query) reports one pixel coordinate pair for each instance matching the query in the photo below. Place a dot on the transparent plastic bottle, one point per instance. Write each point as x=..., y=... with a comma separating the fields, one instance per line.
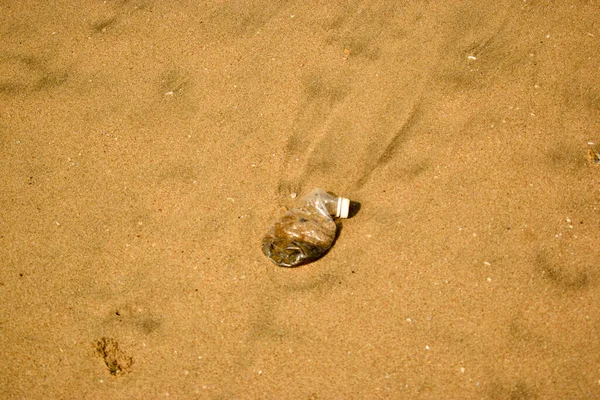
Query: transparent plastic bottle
x=306, y=232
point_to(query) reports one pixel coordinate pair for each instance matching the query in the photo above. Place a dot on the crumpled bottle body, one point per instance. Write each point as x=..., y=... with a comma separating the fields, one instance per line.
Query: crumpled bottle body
x=303, y=234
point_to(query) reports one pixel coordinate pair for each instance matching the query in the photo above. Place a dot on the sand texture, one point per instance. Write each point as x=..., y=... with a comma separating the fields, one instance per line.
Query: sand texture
x=147, y=146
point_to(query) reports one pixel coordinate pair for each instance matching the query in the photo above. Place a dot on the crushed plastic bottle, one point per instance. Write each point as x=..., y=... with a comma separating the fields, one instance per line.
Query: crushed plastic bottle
x=306, y=232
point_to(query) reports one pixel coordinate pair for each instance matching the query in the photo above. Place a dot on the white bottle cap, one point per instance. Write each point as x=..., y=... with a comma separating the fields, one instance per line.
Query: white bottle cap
x=343, y=207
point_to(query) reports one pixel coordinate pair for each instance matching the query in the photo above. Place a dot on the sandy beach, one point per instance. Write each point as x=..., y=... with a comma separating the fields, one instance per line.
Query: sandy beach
x=147, y=146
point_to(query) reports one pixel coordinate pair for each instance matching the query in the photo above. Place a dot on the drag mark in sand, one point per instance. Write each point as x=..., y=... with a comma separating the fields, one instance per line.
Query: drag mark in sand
x=25, y=73
x=391, y=149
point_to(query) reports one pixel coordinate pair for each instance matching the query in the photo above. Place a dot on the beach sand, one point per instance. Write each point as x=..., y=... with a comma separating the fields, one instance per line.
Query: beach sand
x=147, y=146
